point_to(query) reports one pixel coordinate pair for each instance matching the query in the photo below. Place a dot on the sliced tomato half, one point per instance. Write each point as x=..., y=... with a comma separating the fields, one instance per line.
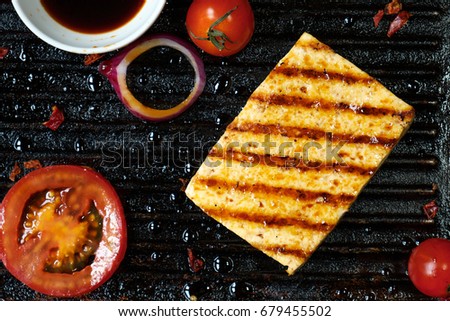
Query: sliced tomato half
x=63, y=230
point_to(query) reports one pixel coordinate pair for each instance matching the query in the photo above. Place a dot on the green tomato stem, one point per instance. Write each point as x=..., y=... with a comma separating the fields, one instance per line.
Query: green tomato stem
x=218, y=38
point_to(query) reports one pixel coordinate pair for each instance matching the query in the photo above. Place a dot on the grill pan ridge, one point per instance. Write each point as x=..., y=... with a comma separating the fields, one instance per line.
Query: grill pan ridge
x=364, y=258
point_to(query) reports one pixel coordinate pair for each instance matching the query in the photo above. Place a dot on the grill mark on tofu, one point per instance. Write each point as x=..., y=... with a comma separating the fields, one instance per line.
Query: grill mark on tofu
x=287, y=162
x=297, y=252
x=313, y=134
x=359, y=155
x=272, y=191
x=262, y=204
x=298, y=101
x=349, y=79
x=270, y=220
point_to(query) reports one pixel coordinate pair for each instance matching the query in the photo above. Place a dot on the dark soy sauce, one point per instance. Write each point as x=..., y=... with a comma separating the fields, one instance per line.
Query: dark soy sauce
x=92, y=16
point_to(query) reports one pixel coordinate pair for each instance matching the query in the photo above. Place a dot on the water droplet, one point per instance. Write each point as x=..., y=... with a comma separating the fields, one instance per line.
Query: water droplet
x=149, y=209
x=153, y=226
x=79, y=145
x=370, y=296
x=23, y=56
x=190, y=236
x=142, y=80
x=386, y=272
x=21, y=144
x=222, y=119
x=30, y=77
x=368, y=230
x=195, y=290
x=241, y=91
x=343, y=294
x=409, y=242
x=121, y=286
x=222, y=85
x=223, y=264
x=155, y=256
x=32, y=107
x=94, y=82
x=18, y=144
x=349, y=21
x=154, y=137
x=392, y=289
x=176, y=60
x=184, y=154
x=50, y=79
x=174, y=197
x=241, y=289
x=188, y=168
x=413, y=87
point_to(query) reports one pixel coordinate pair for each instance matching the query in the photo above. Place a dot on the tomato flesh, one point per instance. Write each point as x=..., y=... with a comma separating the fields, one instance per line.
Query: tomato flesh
x=429, y=267
x=220, y=28
x=63, y=231
x=74, y=236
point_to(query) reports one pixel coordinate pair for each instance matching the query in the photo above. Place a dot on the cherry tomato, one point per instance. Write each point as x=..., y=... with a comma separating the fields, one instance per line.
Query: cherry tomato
x=221, y=28
x=63, y=230
x=429, y=267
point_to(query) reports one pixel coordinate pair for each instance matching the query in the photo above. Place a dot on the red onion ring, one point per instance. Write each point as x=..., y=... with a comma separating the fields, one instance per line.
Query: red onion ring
x=115, y=70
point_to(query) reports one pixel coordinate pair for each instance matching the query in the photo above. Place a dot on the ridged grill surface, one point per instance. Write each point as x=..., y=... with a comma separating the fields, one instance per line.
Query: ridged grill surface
x=364, y=258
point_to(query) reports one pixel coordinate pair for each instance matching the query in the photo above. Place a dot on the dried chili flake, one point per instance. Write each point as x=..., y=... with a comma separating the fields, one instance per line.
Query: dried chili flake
x=184, y=184
x=377, y=18
x=430, y=209
x=90, y=59
x=14, y=172
x=195, y=263
x=55, y=120
x=393, y=7
x=399, y=21
x=32, y=164
x=3, y=52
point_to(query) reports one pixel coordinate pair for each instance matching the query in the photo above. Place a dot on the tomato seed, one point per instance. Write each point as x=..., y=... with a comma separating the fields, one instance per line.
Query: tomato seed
x=43, y=215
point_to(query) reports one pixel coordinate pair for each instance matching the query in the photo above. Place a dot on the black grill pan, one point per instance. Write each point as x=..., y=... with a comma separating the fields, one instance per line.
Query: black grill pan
x=364, y=258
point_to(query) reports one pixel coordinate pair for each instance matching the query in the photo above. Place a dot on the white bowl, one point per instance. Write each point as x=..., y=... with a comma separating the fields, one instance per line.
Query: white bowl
x=45, y=27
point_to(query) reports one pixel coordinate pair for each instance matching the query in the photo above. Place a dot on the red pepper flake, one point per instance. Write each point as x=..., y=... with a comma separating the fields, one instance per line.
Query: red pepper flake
x=56, y=119
x=32, y=164
x=90, y=59
x=399, y=21
x=393, y=7
x=184, y=184
x=14, y=172
x=3, y=52
x=430, y=209
x=195, y=263
x=377, y=18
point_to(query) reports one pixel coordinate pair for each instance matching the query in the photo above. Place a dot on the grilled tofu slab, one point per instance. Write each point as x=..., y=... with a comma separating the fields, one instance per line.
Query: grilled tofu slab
x=294, y=160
